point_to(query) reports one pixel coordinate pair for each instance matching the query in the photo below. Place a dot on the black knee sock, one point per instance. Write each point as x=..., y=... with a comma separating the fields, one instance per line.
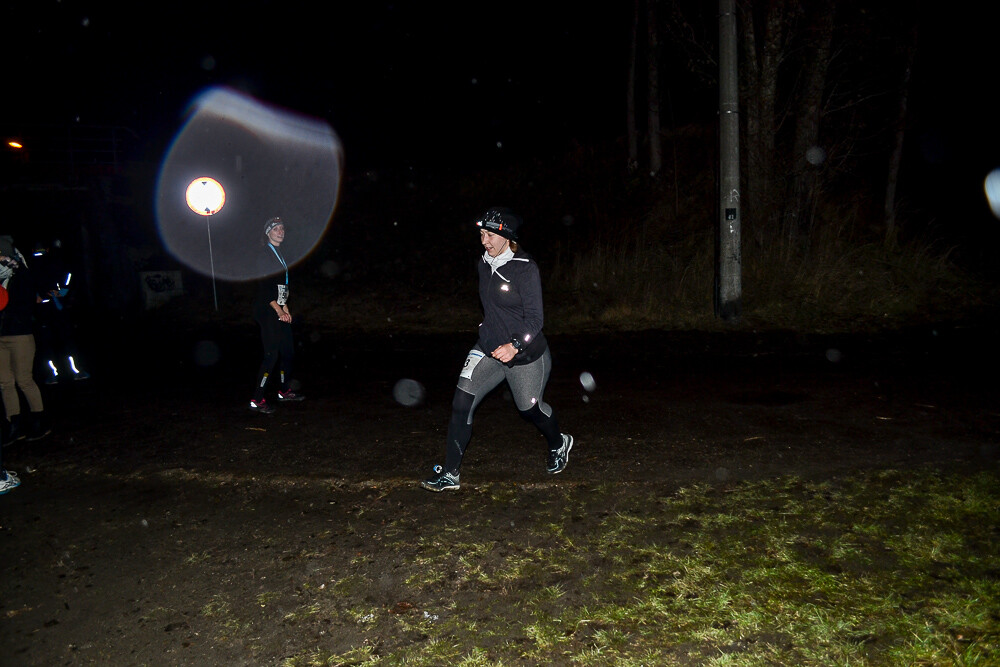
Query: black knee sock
x=459, y=430
x=549, y=426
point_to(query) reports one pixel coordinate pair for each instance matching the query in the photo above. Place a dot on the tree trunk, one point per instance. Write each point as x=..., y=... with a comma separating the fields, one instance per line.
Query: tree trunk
x=897, y=151
x=762, y=78
x=630, y=120
x=653, y=88
x=807, y=154
x=750, y=75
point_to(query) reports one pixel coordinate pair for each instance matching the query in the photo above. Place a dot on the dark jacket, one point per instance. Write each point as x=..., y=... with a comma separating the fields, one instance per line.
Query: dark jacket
x=52, y=272
x=512, y=307
x=18, y=318
x=274, y=277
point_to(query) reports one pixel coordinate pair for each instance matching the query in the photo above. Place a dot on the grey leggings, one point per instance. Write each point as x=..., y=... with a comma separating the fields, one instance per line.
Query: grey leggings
x=481, y=375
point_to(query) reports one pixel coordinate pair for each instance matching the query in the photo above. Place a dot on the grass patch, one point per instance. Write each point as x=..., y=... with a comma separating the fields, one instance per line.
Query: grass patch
x=882, y=569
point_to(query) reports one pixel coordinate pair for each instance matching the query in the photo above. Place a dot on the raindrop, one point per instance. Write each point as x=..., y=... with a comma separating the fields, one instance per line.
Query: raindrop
x=408, y=392
x=207, y=353
x=816, y=156
x=587, y=380
x=330, y=269
x=833, y=355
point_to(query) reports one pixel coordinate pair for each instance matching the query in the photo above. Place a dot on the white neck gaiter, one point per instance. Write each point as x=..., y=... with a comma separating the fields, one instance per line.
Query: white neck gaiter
x=501, y=259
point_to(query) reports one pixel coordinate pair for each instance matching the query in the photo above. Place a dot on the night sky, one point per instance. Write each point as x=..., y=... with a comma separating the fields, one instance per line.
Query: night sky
x=394, y=79
x=454, y=82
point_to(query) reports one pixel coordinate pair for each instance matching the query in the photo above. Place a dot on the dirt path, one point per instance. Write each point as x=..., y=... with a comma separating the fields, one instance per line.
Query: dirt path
x=158, y=489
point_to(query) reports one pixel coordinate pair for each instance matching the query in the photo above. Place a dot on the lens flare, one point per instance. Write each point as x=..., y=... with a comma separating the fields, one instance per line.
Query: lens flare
x=270, y=162
x=992, y=187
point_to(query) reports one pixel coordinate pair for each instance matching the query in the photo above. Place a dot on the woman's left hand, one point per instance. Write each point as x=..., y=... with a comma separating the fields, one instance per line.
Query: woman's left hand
x=504, y=353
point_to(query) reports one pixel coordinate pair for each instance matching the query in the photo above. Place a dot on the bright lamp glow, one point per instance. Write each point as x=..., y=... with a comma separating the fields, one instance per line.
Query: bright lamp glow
x=205, y=196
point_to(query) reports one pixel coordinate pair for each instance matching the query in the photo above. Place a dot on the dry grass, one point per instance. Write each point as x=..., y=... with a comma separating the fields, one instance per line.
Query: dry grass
x=654, y=275
x=619, y=252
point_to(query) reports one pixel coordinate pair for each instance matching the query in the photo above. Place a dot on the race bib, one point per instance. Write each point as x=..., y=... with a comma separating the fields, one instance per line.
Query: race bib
x=475, y=356
x=282, y=295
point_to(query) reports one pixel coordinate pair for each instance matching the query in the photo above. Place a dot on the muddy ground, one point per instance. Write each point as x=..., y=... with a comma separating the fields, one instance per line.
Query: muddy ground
x=158, y=488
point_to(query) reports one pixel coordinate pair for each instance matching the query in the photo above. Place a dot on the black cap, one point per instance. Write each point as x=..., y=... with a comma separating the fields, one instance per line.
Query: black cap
x=501, y=221
x=272, y=223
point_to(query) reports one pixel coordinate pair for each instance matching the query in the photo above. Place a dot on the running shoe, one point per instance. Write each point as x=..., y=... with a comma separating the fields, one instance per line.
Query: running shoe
x=261, y=406
x=8, y=482
x=558, y=458
x=441, y=481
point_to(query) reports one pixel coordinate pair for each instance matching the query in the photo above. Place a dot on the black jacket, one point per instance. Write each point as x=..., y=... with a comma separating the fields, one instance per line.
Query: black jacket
x=274, y=277
x=512, y=307
x=18, y=318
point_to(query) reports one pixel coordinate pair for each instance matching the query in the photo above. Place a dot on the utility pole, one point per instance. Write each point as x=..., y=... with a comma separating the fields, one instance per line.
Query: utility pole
x=729, y=259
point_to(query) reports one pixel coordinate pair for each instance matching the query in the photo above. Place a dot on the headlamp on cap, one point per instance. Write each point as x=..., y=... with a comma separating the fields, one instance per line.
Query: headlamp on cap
x=501, y=221
x=272, y=223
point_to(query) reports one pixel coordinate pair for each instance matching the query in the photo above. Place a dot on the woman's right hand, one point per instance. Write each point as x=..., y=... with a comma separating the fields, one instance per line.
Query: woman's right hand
x=282, y=312
x=504, y=353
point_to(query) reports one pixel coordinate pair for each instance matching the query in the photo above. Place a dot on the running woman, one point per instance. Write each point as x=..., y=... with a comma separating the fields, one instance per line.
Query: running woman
x=270, y=310
x=511, y=348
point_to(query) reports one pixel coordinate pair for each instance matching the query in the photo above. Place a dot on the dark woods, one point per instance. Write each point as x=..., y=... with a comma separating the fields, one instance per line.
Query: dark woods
x=824, y=90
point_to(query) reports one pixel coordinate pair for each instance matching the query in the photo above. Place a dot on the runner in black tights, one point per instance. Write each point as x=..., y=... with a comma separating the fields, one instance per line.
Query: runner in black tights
x=511, y=348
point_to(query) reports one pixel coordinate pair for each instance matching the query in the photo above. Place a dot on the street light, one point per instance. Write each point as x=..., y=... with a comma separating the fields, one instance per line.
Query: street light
x=206, y=197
